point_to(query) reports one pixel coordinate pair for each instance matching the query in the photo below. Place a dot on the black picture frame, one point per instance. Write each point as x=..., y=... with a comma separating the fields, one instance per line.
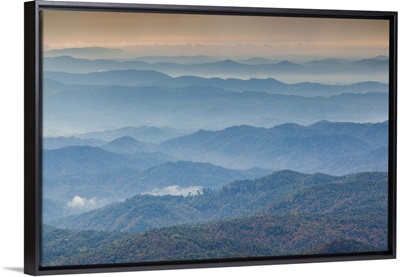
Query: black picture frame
x=34, y=140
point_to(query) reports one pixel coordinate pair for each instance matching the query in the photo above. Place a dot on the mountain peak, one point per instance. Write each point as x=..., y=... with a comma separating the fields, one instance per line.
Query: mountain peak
x=228, y=62
x=124, y=139
x=287, y=63
x=87, y=49
x=246, y=129
x=285, y=173
x=380, y=57
x=320, y=123
x=128, y=72
x=288, y=127
x=270, y=81
x=256, y=60
x=128, y=144
x=77, y=150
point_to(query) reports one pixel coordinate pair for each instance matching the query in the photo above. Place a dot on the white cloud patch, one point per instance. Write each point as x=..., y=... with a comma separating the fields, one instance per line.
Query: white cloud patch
x=78, y=202
x=176, y=190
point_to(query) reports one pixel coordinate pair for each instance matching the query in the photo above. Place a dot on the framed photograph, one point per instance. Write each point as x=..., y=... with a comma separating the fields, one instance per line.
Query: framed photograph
x=166, y=137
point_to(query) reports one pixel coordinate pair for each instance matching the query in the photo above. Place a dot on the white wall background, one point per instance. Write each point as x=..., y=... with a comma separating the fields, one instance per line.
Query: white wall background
x=11, y=149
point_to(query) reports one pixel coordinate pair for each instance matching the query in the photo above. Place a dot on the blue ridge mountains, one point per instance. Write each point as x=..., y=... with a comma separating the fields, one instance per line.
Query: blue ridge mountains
x=114, y=93
x=85, y=52
x=80, y=106
x=252, y=236
x=134, y=77
x=85, y=170
x=272, y=85
x=231, y=157
x=113, y=77
x=280, y=192
x=321, y=141
x=60, y=142
x=149, y=134
x=284, y=213
x=117, y=54
x=373, y=69
x=204, y=159
x=314, y=148
x=127, y=145
x=129, y=180
x=90, y=172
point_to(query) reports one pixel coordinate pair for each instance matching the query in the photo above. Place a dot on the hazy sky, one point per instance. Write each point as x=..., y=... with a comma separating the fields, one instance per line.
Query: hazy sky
x=176, y=34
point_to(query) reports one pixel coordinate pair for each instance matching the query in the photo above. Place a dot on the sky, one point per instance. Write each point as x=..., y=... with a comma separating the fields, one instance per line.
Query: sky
x=178, y=34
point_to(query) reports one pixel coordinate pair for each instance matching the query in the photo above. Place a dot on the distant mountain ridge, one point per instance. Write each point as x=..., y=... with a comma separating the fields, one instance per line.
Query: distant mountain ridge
x=186, y=173
x=129, y=77
x=89, y=172
x=85, y=52
x=279, y=192
x=330, y=147
x=61, y=142
x=320, y=147
x=154, y=78
x=191, y=158
x=135, y=167
x=150, y=134
x=226, y=68
x=81, y=159
x=128, y=145
x=271, y=85
x=207, y=107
